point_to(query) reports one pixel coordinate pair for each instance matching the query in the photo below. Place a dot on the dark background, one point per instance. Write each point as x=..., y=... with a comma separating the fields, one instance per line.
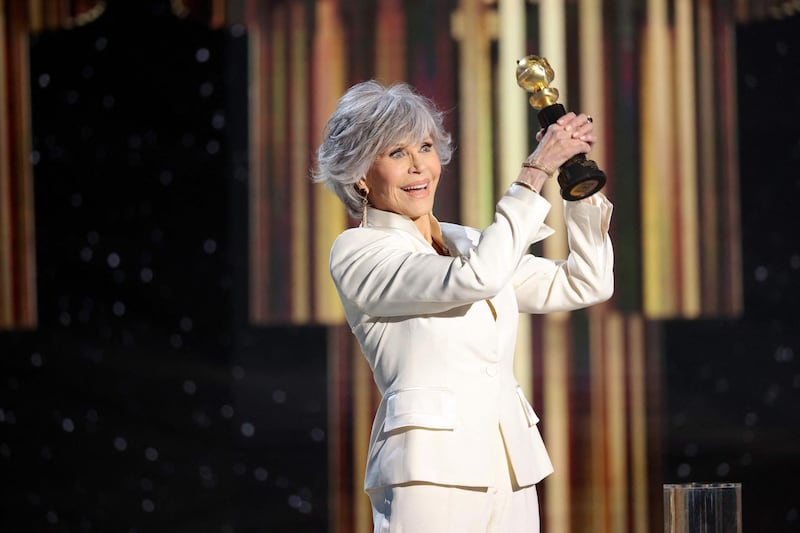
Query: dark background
x=732, y=390
x=145, y=402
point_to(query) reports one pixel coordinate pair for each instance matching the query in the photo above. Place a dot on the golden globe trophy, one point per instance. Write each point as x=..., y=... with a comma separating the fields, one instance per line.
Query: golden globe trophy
x=579, y=177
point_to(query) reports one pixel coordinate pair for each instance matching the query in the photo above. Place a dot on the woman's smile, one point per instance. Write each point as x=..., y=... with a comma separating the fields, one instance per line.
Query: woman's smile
x=417, y=189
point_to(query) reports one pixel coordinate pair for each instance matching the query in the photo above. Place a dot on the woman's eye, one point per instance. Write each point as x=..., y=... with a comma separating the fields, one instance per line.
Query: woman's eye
x=396, y=153
x=426, y=147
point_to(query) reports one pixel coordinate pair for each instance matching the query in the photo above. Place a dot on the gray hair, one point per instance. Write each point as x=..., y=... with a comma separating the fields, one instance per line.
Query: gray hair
x=368, y=120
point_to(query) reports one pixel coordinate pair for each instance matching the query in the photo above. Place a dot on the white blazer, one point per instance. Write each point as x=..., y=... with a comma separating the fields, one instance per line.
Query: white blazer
x=441, y=359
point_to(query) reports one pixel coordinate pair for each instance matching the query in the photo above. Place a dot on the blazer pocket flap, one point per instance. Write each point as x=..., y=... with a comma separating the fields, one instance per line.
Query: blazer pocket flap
x=530, y=414
x=427, y=408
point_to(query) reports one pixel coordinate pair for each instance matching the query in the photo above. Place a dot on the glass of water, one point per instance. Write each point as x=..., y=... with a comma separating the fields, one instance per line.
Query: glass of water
x=703, y=508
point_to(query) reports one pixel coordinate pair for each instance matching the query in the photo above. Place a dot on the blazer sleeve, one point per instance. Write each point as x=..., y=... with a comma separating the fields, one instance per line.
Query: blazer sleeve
x=377, y=272
x=585, y=278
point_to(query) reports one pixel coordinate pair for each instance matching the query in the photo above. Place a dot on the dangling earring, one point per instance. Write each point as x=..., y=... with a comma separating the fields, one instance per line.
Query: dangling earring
x=364, y=203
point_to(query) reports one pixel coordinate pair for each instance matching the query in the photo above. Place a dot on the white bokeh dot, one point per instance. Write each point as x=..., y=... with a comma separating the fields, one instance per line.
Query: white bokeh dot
x=175, y=340
x=278, y=396
x=146, y=275
x=209, y=246
x=151, y=454
x=202, y=55
x=260, y=473
x=212, y=147
x=317, y=435
x=118, y=309
x=237, y=30
x=113, y=260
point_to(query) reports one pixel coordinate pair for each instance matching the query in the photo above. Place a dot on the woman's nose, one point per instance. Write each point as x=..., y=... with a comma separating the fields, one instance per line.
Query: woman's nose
x=415, y=165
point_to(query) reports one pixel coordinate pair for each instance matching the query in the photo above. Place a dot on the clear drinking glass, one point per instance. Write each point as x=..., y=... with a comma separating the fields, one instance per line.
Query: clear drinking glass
x=703, y=508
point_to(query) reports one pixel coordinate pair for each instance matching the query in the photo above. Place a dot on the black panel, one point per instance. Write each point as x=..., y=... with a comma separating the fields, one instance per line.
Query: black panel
x=144, y=402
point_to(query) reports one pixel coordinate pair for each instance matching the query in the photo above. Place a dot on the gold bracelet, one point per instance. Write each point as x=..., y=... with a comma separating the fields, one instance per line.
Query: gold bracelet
x=539, y=166
x=526, y=185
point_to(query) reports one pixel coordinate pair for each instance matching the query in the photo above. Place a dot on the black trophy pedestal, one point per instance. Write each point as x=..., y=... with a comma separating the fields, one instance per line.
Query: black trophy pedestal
x=579, y=177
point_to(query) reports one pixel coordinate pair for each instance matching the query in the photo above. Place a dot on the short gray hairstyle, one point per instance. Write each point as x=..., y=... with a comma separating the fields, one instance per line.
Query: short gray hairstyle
x=369, y=119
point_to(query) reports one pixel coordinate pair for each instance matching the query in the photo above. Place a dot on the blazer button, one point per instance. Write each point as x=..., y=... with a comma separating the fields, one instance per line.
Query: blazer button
x=490, y=370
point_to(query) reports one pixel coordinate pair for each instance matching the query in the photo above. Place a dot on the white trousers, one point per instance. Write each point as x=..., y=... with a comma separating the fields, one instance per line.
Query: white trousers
x=419, y=507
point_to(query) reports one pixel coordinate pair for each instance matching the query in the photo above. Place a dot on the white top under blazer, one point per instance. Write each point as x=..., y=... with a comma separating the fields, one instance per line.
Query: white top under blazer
x=442, y=362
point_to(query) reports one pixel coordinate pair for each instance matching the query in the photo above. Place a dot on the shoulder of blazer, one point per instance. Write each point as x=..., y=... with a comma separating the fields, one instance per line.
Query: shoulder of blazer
x=354, y=239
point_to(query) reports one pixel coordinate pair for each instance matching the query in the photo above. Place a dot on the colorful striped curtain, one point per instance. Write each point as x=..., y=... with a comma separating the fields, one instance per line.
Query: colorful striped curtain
x=669, y=135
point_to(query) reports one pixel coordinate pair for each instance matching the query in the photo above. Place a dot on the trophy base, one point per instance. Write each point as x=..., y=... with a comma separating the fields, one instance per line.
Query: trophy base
x=580, y=178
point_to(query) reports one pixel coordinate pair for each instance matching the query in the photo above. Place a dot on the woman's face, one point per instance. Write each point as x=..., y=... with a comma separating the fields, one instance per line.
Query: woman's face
x=403, y=179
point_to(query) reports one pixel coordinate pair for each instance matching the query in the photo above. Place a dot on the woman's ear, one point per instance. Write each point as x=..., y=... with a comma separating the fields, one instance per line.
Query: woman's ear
x=361, y=186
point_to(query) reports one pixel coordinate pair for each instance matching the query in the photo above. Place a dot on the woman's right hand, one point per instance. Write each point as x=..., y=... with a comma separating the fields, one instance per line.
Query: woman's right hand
x=570, y=135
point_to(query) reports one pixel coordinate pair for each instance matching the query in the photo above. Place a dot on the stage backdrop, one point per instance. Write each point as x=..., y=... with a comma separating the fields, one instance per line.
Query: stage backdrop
x=164, y=251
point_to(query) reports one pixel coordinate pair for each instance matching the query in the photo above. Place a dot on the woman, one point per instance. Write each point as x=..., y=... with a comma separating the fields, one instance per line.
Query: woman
x=454, y=444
